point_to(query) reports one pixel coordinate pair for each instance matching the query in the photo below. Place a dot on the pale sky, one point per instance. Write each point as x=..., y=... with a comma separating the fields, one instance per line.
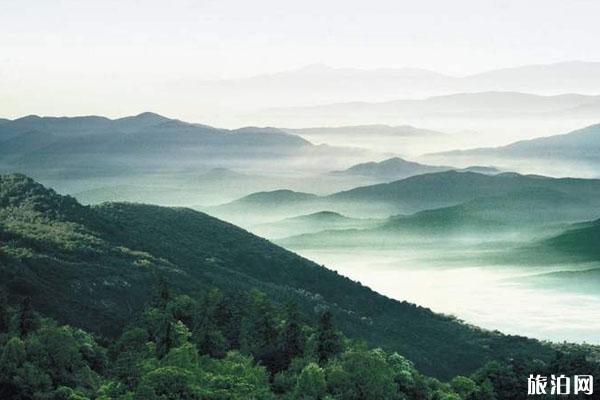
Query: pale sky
x=104, y=57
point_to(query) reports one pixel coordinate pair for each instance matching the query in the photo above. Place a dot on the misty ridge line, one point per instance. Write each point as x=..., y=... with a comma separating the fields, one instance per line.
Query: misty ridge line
x=316, y=68
x=65, y=126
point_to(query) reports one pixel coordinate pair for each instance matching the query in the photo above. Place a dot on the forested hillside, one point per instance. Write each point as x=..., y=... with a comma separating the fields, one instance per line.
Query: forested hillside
x=93, y=267
x=240, y=346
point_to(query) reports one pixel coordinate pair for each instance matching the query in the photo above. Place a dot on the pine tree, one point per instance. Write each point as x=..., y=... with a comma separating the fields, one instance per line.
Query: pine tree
x=293, y=338
x=162, y=293
x=328, y=340
x=162, y=330
x=27, y=320
x=208, y=336
x=164, y=338
x=4, y=311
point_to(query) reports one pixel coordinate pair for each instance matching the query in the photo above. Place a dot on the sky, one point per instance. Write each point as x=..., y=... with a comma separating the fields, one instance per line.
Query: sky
x=106, y=57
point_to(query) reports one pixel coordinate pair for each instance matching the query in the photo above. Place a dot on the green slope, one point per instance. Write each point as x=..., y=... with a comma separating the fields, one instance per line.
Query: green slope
x=93, y=267
x=582, y=242
x=397, y=168
x=579, y=199
x=451, y=187
x=311, y=223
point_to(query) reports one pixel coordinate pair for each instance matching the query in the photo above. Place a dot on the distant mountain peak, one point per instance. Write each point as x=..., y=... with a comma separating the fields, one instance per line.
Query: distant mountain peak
x=579, y=145
x=276, y=196
x=320, y=216
x=31, y=117
x=390, y=169
x=150, y=114
x=147, y=117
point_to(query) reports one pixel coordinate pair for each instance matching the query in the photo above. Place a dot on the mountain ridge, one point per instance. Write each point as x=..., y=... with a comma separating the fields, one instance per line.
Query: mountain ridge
x=578, y=144
x=56, y=146
x=434, y=190
x=99, y=261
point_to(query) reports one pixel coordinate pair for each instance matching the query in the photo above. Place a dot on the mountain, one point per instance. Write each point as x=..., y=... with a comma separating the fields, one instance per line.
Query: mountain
x=562, y=77
x=497, y=117
x=579, y=242
x=321, y=84
x=579, y=199
x=522, y=212
x=391, y=169
x=93, y=267
x=96, y=146
x=580, y=145
x=585, y=281
x=140, y=121
x=59, y=126
x=452, y=187
x=264, y=207
x=397, y=168
x=273, y=198
x=310, y=223
x=25, y=142
x=481, y=170
x=479, y=104
x=572, y=246
x=443, y=224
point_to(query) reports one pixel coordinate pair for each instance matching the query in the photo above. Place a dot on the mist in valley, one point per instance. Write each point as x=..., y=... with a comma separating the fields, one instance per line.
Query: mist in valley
x=424, y=171
x=299, y=200
x=489, y=263
x=507, y=298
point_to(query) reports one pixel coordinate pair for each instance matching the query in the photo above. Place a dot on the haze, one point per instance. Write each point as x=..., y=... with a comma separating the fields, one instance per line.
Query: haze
x=400, y=143
x=57, y=56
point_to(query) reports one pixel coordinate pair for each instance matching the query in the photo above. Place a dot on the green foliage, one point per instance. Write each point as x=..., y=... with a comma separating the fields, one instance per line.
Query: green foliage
x=27, y=320
x=61, y=362
x=293, y=340
x=95, y=267
x=328, y=340
x=311, y=383
x=52, y=359
x=142, y=280
x=463, y=386
x=362, y=375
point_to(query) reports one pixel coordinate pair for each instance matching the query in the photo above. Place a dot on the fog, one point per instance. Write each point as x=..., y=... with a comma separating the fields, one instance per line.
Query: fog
x=501, y=297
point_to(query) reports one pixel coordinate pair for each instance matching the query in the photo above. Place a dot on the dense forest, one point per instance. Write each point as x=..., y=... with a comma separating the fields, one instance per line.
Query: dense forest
x=129, y=301
x=238, y=346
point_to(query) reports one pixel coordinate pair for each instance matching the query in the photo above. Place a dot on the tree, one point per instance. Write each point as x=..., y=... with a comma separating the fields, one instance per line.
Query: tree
x=207, y=334
x=126, y=353
x=167, y=383
x=502, y=378
x=236, y=377
x=4, y=311
x=485, y=391
x=27, y=319
x=183, y=308
x=311, y=383
x=464, y=386
x=13, y=356
x=293, y=337
x=164, y=337
x=362, y=375
x=259, y=331
x=162, y=293
x=328, y=340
